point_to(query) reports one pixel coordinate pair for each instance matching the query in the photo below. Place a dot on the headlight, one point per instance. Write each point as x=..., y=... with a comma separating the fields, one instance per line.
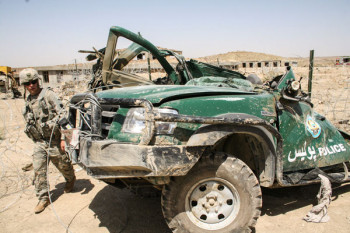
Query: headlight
x=135, y=121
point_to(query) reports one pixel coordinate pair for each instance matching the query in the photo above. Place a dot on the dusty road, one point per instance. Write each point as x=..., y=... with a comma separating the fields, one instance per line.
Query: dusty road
x=96, y=207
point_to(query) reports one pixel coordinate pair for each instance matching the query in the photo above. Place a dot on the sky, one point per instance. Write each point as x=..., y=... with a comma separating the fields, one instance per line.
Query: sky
x=50, y=32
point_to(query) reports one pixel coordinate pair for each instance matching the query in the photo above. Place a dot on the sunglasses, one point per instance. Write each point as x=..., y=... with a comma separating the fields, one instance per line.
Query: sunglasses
x=30, y=82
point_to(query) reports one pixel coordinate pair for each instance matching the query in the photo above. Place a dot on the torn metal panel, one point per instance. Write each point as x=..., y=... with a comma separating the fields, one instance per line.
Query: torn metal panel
x=107, y=72
x=110, y=159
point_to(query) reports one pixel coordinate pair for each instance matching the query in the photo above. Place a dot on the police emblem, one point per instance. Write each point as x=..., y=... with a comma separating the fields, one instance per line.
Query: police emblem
x=313, y=127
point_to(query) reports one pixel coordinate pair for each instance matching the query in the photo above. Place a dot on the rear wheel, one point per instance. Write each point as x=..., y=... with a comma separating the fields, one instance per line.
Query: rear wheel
x=220, y=194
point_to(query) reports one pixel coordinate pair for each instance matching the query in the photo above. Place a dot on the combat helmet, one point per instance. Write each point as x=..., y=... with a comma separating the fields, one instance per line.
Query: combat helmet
x=28, y=75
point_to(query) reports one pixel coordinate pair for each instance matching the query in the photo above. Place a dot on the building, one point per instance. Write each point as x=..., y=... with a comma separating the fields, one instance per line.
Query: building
x=55, y=75
x=271, y=63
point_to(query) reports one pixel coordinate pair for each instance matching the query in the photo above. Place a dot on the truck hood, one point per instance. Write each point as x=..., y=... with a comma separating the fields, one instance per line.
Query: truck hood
x=162, y=93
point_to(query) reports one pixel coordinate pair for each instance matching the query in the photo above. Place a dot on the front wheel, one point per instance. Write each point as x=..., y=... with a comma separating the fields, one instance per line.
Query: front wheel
x=220, y=194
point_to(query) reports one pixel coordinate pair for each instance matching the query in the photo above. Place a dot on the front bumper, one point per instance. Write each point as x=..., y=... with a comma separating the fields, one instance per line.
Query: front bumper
x=108, y=159
x=111, y=159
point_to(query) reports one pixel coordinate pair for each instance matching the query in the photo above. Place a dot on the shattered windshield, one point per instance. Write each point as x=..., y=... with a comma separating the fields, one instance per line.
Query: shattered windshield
x=222, y=82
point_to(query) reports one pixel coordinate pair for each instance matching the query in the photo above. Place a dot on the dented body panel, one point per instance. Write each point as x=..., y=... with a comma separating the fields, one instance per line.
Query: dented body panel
x=198, y=104
x=158, y=94
x=133, y=160
x=309, y=139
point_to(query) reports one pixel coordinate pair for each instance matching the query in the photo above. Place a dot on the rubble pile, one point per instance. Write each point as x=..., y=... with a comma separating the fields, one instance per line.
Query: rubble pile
x=68, y=89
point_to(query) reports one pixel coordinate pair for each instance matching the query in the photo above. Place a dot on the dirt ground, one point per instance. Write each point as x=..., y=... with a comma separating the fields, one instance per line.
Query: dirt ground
x=95, y=207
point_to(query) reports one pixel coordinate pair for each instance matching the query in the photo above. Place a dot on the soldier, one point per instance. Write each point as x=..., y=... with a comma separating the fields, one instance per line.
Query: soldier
x=14, y=86
x=41, y=113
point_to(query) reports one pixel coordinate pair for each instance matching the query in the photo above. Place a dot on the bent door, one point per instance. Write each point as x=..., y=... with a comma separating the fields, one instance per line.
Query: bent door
x=309, y=139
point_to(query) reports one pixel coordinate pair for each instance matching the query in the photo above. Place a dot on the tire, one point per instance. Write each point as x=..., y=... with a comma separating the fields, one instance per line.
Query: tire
x=220, y=194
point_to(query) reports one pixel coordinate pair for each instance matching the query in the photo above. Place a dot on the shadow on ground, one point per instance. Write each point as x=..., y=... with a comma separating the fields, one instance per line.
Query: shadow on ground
x=282, y=200
x=122, y=211
x=81, y=185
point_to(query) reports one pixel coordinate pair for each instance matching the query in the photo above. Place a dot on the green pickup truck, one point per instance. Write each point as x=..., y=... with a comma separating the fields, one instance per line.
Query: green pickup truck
x=209, y=139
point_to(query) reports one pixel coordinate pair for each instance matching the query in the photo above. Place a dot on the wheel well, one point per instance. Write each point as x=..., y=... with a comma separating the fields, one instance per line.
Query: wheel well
x=253, y=151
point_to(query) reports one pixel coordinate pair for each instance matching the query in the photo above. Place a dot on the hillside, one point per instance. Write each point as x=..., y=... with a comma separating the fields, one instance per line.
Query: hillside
x=240, y=56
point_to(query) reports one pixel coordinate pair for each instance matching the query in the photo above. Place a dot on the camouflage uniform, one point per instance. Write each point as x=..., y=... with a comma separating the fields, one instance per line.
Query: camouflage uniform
x=41, y=113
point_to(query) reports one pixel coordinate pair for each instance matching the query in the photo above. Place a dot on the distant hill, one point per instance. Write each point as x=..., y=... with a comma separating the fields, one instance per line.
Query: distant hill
x=240, y=56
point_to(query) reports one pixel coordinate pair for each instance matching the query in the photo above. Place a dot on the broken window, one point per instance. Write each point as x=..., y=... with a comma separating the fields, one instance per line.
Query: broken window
x=267, y=64
x=274, y=64
x=259, y=64
x=140, y=56
x=59, y=76
x=251, y=65
x=46, y=76
x=244, y=65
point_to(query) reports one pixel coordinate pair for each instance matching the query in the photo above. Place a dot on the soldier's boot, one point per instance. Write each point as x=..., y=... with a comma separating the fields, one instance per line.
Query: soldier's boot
x=41, y=206
x=69, y=186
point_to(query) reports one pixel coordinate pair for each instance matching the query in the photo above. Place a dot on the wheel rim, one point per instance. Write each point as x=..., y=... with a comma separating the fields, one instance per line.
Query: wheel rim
x=212, y=203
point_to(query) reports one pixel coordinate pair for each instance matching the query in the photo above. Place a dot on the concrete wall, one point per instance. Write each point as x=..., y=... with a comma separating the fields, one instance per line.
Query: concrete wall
x=52, y=78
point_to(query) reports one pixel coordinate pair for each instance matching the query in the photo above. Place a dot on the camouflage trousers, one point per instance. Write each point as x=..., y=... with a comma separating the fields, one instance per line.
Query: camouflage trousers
x=40, y=165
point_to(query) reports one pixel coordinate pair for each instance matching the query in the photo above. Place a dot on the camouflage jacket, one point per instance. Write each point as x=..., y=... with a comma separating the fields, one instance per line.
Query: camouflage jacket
x=41, y=114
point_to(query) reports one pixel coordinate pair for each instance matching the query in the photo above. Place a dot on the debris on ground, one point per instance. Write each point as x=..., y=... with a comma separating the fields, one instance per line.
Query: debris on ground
x=319, y=213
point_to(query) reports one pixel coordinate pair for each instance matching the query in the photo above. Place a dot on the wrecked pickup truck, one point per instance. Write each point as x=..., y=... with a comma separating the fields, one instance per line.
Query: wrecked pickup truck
x=209, y=145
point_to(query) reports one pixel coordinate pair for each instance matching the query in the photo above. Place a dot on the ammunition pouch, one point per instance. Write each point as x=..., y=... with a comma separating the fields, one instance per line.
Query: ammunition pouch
x=33, y=133
x=47, y=128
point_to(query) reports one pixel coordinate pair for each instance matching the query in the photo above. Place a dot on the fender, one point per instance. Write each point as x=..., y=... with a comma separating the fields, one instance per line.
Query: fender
x=210, y=135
